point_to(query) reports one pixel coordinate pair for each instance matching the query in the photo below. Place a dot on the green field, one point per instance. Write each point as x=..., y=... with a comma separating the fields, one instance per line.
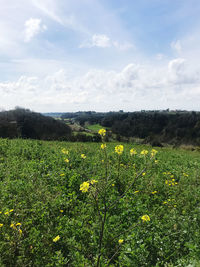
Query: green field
x=132, y=210
x=94, y=127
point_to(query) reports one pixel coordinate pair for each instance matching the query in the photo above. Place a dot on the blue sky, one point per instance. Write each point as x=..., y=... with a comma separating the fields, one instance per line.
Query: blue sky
x=70, y=55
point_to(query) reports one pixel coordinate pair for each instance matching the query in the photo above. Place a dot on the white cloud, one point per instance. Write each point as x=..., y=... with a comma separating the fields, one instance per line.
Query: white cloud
x=176, y=46
x=103, y=41
x=33, y=26
x=135, y=87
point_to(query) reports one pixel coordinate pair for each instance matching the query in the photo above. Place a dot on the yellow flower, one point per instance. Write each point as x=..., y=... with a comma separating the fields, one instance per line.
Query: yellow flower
x=119, y=149
x=6, y=213
x=153, y=152
x=145, y=218
x=103, y=146
x=102, y=132
x=156, y=161
x=154, y=192
x=120, y=241
x=144, y=173
x=61, y=211
x=136, y=192
x=93, y=181
x=84, y=187
x=56, y=238
x=1, y=224
x=113, y=184
x=12, y=225
x=20, y=231
x=11, y=210
x=62, y=174
x=83, y=156
x=66, y=160
x=133, y=152
x=64, y=151
x=18, y=224
x=144, y=152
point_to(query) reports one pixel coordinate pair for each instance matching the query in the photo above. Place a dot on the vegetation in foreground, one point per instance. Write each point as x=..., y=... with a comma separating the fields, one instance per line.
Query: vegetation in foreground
x=75, y=204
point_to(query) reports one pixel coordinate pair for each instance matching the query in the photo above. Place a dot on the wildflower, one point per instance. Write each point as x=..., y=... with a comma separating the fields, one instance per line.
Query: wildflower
x=102, y=132
x=11, y=210
x=6, y=213
x=133, y=152
x=145, y=218
x=93, y=181
x=18, y=224
x=66, y=160
x=56, y=238
x=113, y=184
x=20, y=231
x=153, y=152
x=12, y=225
x=84, y=187
x=156, y=161
x=83, y=156
x=144, y=173
x=1, y=224
x=64, y=151
x=136, y=192
x=144, y=152
x=154, y=192
x=62, y=174
x=119, y=149
x=103, y=146
x=61, y=211
x=120, y=241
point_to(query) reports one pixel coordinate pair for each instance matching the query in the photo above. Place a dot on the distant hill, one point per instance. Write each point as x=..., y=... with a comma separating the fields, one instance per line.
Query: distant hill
x=24, y=123
x=154, y=127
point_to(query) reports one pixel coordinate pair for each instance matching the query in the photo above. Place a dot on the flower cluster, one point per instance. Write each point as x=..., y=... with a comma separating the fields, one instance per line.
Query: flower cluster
x=56, y=239
x=65, y=151
x=145, y=218
x=84, y=187
x=102, y=132
x=103, y=146
x=144, y=152
x=133, y=152
x=153, y=152
x=119, y=149
x=16, y=226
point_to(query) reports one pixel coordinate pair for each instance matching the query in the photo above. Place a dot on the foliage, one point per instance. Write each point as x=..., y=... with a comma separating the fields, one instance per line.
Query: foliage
x=110, y=207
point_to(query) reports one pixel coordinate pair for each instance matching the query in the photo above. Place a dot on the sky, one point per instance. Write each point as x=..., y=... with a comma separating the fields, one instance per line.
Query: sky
x=99, y=55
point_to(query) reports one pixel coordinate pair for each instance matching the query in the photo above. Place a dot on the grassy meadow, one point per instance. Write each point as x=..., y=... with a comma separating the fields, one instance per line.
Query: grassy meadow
x=97, y=204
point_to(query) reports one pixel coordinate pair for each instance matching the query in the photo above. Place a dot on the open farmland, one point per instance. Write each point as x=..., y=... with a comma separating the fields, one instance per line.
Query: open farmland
x=88, y=204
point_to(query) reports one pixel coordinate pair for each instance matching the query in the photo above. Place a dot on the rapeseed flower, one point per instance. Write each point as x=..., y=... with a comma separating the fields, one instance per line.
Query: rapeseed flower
x=103, y=146
x=144, y=152
x=102, y=132
x=84, y=187
x=64, y=151
x=145, y=218
x=56, y=238
x=153, y=152
x=133, y=152
x=93, y=181
x=119, y=149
